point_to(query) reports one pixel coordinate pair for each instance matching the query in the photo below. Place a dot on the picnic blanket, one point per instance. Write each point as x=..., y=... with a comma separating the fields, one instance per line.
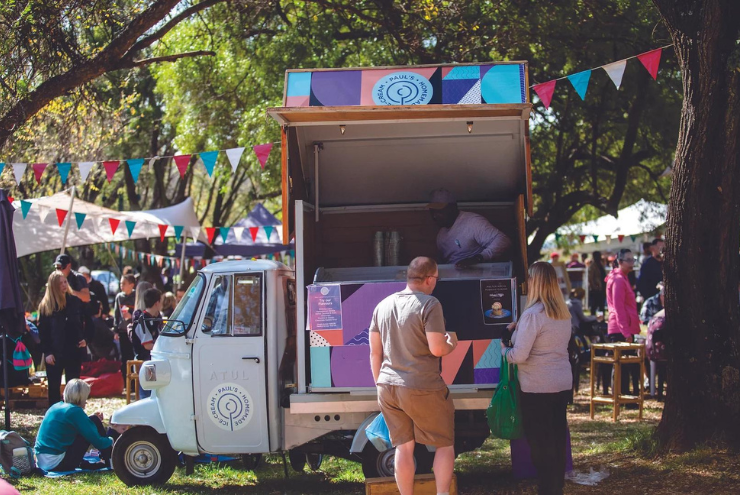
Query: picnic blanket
x=88, y=458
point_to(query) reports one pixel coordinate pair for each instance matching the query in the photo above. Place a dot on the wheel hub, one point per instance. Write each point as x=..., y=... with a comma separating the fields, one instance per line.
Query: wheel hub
x=142, y=459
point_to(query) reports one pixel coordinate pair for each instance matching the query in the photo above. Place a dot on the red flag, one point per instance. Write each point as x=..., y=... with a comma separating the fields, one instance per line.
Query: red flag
x=205, y=262
x=114, y=224
x=254, y=231
x=38, y=169
x=545, y=91
x=263, y=152
x=177, y=262
x=162, y=231
x=10, y=198
x=160, y=260
x=149, y=259
x=582, y=238
x=211, y=232
x=192, y=262
x=61, y=215
x=182, y=163
x=651, y=61
x=620, y=237
x=110, y=169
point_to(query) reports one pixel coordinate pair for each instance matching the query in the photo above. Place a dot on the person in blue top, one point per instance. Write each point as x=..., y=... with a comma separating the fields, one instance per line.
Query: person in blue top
x=66, y=433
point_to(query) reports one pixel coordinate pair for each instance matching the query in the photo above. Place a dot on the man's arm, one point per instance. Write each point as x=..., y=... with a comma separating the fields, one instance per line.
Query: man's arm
x=376, y=354
x=494, y=242
x=441, y=344
x=84, y=293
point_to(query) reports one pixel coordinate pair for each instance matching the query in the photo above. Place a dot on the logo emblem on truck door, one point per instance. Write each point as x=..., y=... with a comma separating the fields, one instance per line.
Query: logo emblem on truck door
x=403, y=88
x=230, y=406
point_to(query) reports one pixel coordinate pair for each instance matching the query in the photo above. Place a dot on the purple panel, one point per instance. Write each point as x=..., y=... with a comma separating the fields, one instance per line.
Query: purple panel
x=454, y=89
x=350, y=366
x=521, y=458
x=357, y=309
x=486, y=375
x=337, y=88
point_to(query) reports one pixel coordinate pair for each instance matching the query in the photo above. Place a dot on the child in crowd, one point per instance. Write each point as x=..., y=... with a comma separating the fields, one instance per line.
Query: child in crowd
x=145, y=328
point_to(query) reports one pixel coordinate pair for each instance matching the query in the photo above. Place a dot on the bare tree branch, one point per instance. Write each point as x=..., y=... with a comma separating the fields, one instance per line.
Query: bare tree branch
x=169, y=58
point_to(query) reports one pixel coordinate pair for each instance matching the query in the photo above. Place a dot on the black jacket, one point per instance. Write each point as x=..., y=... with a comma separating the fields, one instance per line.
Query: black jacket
x=61, y=332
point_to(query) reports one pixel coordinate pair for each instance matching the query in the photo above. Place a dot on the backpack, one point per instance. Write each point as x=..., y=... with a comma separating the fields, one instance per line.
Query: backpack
x=16, y=455
x=21, y=357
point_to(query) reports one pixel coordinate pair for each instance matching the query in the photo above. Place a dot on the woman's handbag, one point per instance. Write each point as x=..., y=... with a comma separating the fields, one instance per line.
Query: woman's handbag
x=504, y=415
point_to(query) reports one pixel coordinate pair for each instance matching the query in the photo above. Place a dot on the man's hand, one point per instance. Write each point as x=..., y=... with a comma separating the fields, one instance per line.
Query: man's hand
x=451, y=339
x=81, y=343
x=473, y=260
x=100, y=416
x=50, y=359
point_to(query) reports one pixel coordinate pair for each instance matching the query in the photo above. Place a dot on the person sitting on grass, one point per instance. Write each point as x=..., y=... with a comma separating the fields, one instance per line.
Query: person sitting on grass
x=66, y=432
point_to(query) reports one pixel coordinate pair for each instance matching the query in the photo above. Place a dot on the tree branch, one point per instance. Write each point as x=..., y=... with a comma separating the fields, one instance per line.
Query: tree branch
x=168, y=58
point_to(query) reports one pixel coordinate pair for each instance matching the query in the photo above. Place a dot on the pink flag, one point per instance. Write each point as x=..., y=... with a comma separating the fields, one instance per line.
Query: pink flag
x=182, y=163
x=162, y=231
x=254, y=231
x=110, y=169
x=263, y=152
x=38, y=169
x=651, y=61
x=545, y=91
x=61, y=215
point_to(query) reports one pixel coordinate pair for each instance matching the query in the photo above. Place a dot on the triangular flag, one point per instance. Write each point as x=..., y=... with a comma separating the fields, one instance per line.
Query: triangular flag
x=43, y=213
x=210, y=232
x=85, y=168
x=182, y=163
x=18, y=170
x=110, y=168
x=620, y=237
x=608, y=239
x=268, y=231
x=130, y=225
x=580, y=82
x=263, y=152
x=11, y=199
x=615, y=71
x=134, y=166
x=224, y=231
x=234, y=155
x=2, y=168
x=195, y=231
x=209, y=161
x=38, y=170
x=238, y=232
x=545, y=91
x=162, y=231
x=633, y=237
x=80, y=219
x=117, y=249
x=25, y=207
x=63, y=169
x=254, y=231
x=113, y=224
x=596, y=238
x=149, y=259
x=581, y=237
x=61, y=215
x=651, y=61
x=178, y=232
x=557, y=236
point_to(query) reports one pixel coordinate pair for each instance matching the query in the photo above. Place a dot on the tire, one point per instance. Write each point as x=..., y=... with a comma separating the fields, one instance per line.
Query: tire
x=314, y=461
x=381, y=464
x=251, y=461
x=143, y=457
x=297, y=460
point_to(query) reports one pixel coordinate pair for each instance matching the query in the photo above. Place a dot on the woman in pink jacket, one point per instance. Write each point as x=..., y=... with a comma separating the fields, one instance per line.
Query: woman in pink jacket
x=624, y=322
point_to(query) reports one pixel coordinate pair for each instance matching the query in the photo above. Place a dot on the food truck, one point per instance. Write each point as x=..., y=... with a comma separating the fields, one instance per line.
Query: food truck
x=259, y=358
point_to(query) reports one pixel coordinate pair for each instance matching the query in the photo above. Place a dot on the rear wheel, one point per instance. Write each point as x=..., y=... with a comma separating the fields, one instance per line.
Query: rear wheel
x=314, y=461
x=297, y=460
x=251, y=461
x=141, y=457
x=381, y=464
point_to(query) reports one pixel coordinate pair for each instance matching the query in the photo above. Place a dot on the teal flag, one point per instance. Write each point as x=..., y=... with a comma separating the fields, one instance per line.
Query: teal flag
x=80, y=219
x=224, y=232
x=134, y=166
x=130, y=227
x=2, y=167
x=596, y=238
x=64, y=169
x=209, y=160
x=268, y=231
x=25, y=207
x=178, y=232
x=580, y=82
x=633, y=237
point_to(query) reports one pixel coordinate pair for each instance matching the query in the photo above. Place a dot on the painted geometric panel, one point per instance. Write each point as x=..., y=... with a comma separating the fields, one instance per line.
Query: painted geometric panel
x=360, y=339
x=455, y=89
x=472, y=97
x=317, y=340
x=479, y=347
x=491, y=357
x=451, y=362
x=462, y=72
x=333, y=337
x=297, y=101
x=320, y=366
x=486, y=375
x=503, y=84
x=357, y=308
x=350, y=366
x=299, y=84
x=337, y=88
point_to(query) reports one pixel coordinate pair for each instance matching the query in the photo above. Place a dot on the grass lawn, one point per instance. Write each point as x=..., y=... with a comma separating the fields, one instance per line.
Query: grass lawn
x=622, y=448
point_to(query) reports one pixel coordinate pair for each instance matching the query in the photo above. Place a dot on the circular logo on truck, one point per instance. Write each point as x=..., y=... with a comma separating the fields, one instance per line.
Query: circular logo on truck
x=402, y=88
x=230, y=406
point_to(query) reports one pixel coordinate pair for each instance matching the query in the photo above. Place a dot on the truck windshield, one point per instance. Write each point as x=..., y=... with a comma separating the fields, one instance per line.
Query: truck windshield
x=180, y=320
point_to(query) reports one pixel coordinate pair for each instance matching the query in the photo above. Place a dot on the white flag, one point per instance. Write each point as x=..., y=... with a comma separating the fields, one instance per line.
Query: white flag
x=43, y=213
x=616, y=71
x=238, y=231
x=195, y=231
x=85, y=168
x=608, y=239
x=234, y=155
x=19, y=169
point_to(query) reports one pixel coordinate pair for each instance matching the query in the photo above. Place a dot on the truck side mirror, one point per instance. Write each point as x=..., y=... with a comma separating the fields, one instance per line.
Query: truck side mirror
x=207, y=325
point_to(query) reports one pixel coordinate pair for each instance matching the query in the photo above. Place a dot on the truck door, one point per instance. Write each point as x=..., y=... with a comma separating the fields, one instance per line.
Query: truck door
x=229, y=367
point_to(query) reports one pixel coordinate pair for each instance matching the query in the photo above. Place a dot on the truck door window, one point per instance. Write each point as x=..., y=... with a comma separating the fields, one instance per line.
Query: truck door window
x=248, y=305
x=216, y=319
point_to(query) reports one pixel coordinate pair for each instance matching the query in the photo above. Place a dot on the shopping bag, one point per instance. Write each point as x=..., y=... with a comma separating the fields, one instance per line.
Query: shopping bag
x=504, y=415
x=378, y=434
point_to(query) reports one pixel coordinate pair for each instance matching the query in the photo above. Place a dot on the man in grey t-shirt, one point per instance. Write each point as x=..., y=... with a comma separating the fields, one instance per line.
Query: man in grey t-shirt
x=407, y=340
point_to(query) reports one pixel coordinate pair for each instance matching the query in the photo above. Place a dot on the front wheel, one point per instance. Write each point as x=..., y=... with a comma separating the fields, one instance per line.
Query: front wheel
x=382, y=464
x=141, y=457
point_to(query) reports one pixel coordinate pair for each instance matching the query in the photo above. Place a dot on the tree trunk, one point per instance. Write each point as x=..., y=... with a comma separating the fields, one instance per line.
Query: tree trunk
x=703, y=228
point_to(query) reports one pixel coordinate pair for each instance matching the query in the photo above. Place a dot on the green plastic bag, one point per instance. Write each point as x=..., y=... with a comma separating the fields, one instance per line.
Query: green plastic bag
x=504, y=414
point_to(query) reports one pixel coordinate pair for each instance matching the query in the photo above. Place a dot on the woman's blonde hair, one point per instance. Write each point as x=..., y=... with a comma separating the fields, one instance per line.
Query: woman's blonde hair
x=140, y=289
x=168, y=300
x=76, y=392
x=543, y=287
x=54, y=299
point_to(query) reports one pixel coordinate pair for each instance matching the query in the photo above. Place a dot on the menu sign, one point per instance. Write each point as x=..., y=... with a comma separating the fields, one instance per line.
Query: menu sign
x=324, y=307
x=497, y=301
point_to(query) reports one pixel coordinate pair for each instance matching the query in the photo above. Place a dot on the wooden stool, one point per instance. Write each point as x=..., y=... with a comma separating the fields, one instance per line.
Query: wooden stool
x=618, y=358
x=423, y=485
x=132, y=378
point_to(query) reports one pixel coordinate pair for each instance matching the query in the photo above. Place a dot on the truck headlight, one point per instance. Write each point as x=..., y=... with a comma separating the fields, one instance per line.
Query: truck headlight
x=150, y=372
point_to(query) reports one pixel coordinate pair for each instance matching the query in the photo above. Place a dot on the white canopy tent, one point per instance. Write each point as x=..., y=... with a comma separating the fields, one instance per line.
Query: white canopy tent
x=40, y=230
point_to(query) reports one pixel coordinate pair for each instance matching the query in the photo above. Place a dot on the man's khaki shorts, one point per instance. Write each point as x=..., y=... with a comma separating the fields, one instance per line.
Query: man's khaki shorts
x=426, y=416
